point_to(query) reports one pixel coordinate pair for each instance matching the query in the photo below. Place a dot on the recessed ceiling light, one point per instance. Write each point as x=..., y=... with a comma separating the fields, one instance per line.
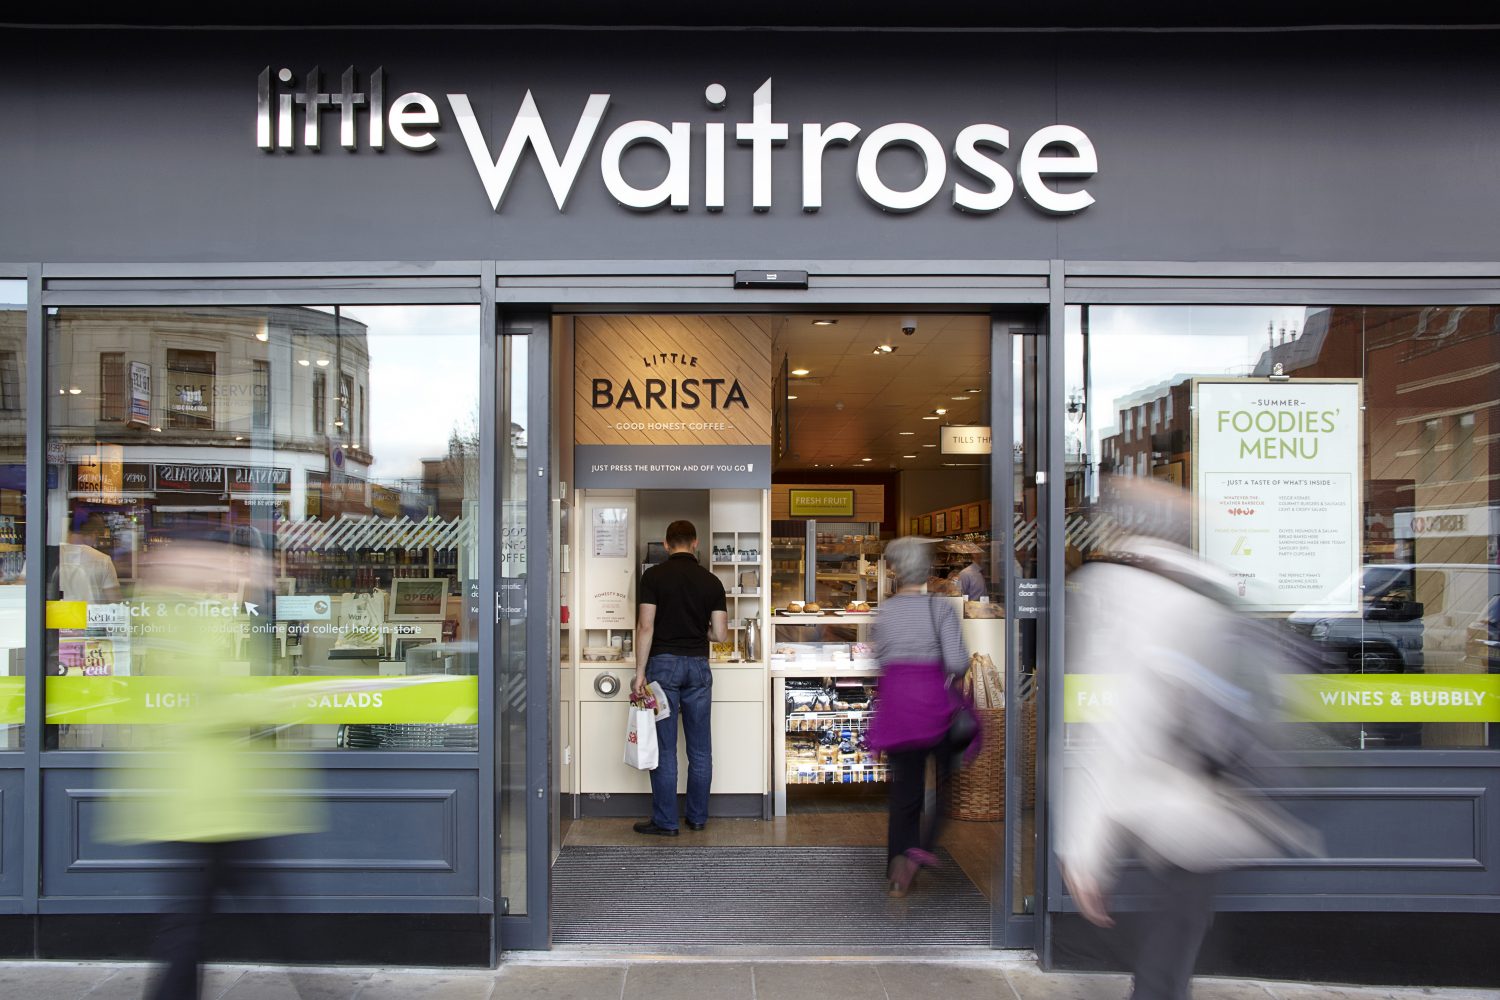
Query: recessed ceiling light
x=908, y=456
x=940, y=410
x=62, y=392
x=866, y=460
x=322, y=362
x=800, y=372
x=929, y=418
x=958, y=399
x=74, y=390
x=884, y=349
x=791, y=397
x=907, y=433
x=824, y=322
x=974, y=390
x=303, y=362
x=929, y=446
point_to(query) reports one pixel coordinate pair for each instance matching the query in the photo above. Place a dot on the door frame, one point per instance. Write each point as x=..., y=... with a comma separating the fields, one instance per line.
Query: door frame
x=1023, y=310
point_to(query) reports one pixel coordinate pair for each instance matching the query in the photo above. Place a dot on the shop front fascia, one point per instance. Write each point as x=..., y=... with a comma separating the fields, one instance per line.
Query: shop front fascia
x=438, y=812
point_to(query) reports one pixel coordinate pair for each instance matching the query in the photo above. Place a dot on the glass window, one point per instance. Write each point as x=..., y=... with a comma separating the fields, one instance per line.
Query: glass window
x=320, y=585
x=111, y=386
x=1341, y=464
x=319, y=402
x=12, y=512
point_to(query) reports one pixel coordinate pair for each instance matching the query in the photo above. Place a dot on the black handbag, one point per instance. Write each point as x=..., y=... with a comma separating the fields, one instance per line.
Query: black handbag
x=963, y=724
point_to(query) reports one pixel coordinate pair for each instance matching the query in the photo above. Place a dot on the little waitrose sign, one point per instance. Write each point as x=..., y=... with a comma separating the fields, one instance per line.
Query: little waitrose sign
x=292, y=113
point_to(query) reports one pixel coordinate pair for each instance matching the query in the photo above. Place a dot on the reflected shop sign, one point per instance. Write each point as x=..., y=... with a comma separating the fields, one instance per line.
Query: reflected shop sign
x=364, y=109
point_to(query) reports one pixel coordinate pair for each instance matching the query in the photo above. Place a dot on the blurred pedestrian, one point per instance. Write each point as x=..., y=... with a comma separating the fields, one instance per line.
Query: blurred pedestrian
x=1169, y=780
x=205, y=790
x=920, y=647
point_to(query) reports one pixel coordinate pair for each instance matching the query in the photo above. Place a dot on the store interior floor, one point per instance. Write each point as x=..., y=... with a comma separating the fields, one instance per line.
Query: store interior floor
x=836, y=818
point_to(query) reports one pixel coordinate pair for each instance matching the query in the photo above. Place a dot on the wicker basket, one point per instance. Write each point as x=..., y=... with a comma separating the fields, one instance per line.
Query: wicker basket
x=977, y=791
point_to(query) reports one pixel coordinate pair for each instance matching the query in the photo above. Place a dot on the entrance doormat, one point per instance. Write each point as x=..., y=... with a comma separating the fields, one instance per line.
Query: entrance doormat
x=792, y=896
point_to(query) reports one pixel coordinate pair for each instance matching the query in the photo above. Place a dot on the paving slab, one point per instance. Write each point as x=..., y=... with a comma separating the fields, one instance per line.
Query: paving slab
x=64, y=981
x=129, y=982
x=426, y=985
x=951, y=982
x=1229, y=989
x=690, y=981
x=294, y=984
x=1321, y=991
x=833, y=980
x=558, y=982
x=1030, y=983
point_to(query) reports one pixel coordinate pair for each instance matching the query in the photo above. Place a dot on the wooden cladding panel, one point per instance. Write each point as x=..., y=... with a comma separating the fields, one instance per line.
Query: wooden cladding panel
x=869, y=500
x=726, y=347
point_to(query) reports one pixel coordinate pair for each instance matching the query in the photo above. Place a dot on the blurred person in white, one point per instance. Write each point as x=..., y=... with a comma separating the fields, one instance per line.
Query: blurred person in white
x=1169, y=780
x=207, y=791
x=84, y=573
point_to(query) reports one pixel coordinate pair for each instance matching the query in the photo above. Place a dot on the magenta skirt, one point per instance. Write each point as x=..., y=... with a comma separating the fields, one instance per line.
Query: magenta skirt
x=913, y=706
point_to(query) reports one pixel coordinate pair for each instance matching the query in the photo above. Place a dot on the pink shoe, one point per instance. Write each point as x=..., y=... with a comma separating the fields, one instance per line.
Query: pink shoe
x=921, y=858
x=903, y=870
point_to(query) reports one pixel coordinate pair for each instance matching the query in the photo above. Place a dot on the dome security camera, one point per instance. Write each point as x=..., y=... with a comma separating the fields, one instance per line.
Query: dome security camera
x=909, y=325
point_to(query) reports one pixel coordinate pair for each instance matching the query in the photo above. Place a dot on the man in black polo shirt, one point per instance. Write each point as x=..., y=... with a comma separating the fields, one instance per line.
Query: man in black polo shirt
x=682, y=608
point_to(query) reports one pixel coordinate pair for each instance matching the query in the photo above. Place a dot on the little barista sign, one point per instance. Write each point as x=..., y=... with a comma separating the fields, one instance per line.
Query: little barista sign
x=671, y=402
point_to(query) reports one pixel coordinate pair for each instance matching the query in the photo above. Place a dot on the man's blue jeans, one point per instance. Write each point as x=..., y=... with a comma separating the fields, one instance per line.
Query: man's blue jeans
x=689, y=686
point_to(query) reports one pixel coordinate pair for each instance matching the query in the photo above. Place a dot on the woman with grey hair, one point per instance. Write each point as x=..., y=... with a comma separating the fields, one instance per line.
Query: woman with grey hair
x=922, y=657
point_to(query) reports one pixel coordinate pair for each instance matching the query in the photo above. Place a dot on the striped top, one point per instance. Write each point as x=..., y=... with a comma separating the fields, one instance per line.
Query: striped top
x=917, y=627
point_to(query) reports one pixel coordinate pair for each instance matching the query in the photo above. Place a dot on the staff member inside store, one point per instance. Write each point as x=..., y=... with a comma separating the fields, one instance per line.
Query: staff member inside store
x=682, y=608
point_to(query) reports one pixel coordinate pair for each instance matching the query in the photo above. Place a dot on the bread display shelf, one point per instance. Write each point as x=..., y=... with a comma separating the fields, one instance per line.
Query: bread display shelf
x=808, y=773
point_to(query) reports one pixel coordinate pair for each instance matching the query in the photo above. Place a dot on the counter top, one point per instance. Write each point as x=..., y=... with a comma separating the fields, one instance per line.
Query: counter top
x=843, y=618
x=825, y=668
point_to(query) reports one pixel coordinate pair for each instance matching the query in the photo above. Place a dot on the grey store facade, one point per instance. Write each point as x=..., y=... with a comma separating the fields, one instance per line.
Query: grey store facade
x=331, y=291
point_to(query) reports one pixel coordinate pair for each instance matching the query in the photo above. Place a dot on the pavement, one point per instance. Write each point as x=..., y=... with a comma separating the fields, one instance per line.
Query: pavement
x=619, y=977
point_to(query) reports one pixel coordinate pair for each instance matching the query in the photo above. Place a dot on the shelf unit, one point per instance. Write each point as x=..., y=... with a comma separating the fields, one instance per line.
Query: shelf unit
x=835, y=668
x=738, y=530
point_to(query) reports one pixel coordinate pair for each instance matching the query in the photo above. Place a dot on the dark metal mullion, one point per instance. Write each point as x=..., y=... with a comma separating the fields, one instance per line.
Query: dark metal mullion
x=36, y=592
x=1002, y=517
x=489, y=507
x=1051, y=653
x=540, y=599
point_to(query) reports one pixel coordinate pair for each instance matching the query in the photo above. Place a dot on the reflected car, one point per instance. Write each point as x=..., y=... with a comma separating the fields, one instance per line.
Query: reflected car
x=1482, y=643
x=1386, y=637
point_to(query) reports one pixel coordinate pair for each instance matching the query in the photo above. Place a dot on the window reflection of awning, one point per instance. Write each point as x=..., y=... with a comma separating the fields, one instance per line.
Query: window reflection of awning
x=381, y=533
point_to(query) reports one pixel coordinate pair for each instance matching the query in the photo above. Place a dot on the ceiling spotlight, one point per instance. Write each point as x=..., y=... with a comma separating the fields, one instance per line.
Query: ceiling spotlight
x=303, y=362
x=884, y=349
x=322, y=362
x=866, y=460
x=73, y=390
x=62, y=392
x=791, y=397
x=799, y=372
x=907, y=434
x=824, y=322
x=908, y=456
x=929, y=418
x=973, y=390
x=929, y=446
x=959, y=399
x=940, y=411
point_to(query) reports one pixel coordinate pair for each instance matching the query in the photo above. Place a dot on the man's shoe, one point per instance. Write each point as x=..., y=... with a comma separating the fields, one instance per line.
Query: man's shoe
x=695, y=827
x=648, y=827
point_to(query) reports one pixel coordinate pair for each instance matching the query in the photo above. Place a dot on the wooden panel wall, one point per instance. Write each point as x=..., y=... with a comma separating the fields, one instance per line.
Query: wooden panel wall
x=630, y=348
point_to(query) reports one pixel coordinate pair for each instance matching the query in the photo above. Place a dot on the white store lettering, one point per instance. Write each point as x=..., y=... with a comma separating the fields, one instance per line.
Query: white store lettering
x=986, y=185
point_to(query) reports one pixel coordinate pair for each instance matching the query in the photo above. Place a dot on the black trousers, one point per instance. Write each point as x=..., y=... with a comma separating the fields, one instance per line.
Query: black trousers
x=216, y=868
x=908, y=771
x=1171, y=934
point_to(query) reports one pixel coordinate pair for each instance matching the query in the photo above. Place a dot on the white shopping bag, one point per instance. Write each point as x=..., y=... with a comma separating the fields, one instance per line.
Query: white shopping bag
x=663, y=707
x=640, y=739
